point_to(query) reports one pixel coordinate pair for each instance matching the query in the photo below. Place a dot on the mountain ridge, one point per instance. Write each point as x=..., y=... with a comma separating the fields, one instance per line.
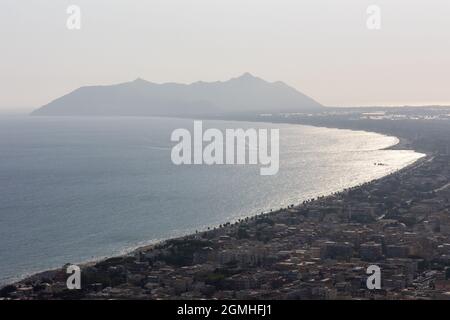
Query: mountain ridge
x=140, y=97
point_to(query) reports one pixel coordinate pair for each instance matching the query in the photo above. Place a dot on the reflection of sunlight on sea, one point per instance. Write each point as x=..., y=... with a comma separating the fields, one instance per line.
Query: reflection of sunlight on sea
x=77, y=188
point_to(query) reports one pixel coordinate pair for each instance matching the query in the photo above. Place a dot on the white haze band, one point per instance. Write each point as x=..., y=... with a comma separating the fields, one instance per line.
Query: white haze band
x=237, y=143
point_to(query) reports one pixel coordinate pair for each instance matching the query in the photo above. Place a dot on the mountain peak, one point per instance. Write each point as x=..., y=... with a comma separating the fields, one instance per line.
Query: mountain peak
x=247, y=75
x=140, y=80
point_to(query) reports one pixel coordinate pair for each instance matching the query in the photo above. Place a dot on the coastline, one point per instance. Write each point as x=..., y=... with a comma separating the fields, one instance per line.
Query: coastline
x=402, y=144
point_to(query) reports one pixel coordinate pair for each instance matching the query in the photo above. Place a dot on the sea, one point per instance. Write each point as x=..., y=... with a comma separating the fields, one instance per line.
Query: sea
x=76, y=189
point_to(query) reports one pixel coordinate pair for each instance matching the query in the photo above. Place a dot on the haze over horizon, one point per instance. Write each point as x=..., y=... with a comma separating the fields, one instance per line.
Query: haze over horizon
x=321, y=48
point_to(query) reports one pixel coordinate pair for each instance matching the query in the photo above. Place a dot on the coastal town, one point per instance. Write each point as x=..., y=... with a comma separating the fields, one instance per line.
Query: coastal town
x=319, y=249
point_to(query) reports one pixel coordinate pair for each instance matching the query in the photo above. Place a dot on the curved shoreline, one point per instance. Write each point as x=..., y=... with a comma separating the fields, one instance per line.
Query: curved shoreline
x=400, y=145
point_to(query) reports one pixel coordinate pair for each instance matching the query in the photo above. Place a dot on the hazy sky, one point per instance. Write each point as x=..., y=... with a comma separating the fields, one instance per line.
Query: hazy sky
x=321, y=47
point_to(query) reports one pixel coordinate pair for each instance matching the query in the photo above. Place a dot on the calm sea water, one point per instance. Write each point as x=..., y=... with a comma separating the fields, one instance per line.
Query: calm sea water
x=74, y=189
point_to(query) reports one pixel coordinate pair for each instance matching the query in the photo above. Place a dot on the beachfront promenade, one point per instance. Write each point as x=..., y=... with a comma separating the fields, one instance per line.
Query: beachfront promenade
x=319, y=249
